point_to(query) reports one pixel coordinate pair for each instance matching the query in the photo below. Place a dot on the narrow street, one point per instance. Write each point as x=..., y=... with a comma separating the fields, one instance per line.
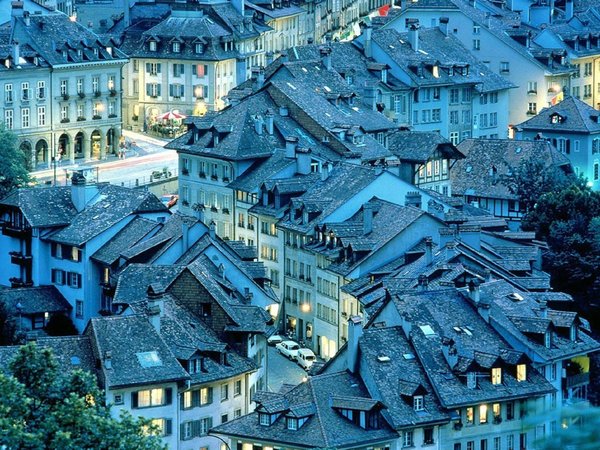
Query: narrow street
x=282, y=370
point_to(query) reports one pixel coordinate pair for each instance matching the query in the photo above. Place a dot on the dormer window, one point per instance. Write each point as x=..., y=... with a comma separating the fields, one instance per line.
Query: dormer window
x=152, y=46
x=496, y=375
x=95, y=51
x=521, y=372
x=291, y=423
x=176, y=47
x=194, y=365
x=556, y=118
x=435, y=71
x=264, y=419
x=109, y=50
x=384, y=75
x=573, y=333
x=418, y=403
x=198, y=48
x=548, y=339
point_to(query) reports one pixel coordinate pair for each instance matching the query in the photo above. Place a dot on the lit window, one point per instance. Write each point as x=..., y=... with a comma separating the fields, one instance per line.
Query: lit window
x=521, y=372
x=496, y=375
x=483, y=411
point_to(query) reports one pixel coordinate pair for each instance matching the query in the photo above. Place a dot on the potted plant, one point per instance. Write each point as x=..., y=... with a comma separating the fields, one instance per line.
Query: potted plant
x=97, y=94
x=113, y=92
x=65, y=97
x=65, y=120
x=80, y=119
x=96, y=117
x=81, y=94
x=134, y=118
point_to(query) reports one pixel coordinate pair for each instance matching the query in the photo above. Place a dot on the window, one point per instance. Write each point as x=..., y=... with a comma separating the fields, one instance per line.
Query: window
x=483, y=444
x=64, y=113
x=176, y=47
x=8, y=93
x=95, y=84
x=454, y=137
x=79, y=309
x=576, y=92
x=224, y=392
x=80, y=110
x=151, y=397
x=510, y=442
x=152, y=46
x=25, y=91
x=454, y=96
x=74, y=280
x=237, y=413
x=510, y=411
x=504, y=67
x=531, y=108
x=224, y=418
x=118, y=399
x=496, y=375
x=198, y=48
x=176, y=90
x=264, y=419
x=471, y=445
x=64, y=87
x=483, y=411
x=164, y=427
x=521, y=372
x=596, y=171
x=476, y=44
x=476, y=29
x=587, y=69
x=200, y=70
x=532, y=87
x=453, y=117
x=25, y=118
x=466, y=95
x=428, y=436
x=498, y=443
x=153, y=68
x=41, y=90
x=470, y=413
x=153, y=90
x=418, y=403
x=552, y=372
x=178, y=70
x=206, y=396
x=587, y=91
x=41, y=116
x=292, y=423
x=496, y=411
x=408, y=439
x=8, y=119
x=237, y=388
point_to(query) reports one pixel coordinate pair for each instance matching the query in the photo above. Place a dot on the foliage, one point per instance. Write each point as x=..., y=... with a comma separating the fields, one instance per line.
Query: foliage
x=7, y=326
x=13, y=162
x=60, y=325
x=42, y=407
x=580, y=430
x=569, y=220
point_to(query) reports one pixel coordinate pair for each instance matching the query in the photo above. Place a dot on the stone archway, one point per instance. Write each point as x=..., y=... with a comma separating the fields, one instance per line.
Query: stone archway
x=64, y=146
x=79, y=146
x=25, y=147
x=111, y=142
x=96, y=144
x=41, y=152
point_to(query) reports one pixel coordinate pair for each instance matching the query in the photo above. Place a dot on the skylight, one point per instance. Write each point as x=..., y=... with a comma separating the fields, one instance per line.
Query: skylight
x=427, y=330
x=149, y=359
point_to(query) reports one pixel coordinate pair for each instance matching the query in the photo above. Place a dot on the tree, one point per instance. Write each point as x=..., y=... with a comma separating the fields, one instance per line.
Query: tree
x=13, y=162
x=580, y=430
x=60, y=325
x=7, y=326
x=42, y=407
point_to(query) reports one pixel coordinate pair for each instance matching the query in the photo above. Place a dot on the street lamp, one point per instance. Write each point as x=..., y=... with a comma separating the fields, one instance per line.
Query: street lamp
x=19, y=307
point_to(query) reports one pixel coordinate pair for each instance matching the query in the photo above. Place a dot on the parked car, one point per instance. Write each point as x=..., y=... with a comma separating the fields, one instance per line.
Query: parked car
x=274, y=339
x=288, y=349
x=305, y=358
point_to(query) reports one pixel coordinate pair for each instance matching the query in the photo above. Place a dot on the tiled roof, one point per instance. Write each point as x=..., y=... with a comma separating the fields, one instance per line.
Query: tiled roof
x=475, y=175
x=326, y=428
x=262, y=170
x=126, y=336
x=577, y=117
x=134, y=280
x=419, y=146
x=34, y=300
x=43, y=207
x=127, y=237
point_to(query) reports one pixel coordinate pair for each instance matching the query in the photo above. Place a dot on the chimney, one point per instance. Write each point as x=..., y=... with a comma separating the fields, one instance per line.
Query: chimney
x=81, y=194
x=428, y=250
x=156, y=304
x=474, y=290
x=211, y=229
x=269, y=57
x=471, y=235
x=568, y=9
x=450, y=352
x=290, y=146
x=355, y=330
x=185, y=235
x=487, y=275
x=483, y=308
x=367, y=218
x=368, y=45
x=260, y=80
x=108, y=360
x=303, y=160
x=423, y=282
x=238, y=5
x=325, y=171
x=16, y=9
x=488, y=20
x=258, y=124
x=26, y=18
x=413, y=35
x=269, y=115
x=444, y=25
x=446, y=236
x=413, y=199
x=16, y=53
x=240, y=68
x=283, y=111
x=326, y=57
x=406, y=324
x=543, y=309
x=370, y=96
x=283, y=56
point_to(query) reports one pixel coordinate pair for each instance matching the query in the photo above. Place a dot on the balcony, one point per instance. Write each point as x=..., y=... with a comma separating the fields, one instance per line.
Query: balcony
x=14, y=231
x=19, y=283
x=580, y=379
x=19, y=259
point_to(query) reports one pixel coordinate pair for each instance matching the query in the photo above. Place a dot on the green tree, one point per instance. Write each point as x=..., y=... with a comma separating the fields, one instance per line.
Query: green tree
x=7, y=326
x=60, y=325
x=42, y=407
x=579, y=430
x=13, y=162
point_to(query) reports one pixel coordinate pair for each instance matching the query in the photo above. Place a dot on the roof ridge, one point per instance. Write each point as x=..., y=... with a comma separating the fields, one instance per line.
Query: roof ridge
x=318, y=412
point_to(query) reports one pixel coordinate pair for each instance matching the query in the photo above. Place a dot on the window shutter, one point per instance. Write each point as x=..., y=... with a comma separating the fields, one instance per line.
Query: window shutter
x=148, y=68
x=168, y=396
x=78, y=280
x=210, y=395
x=63, y=277
x=134, y=399
x=148, y=89
x=195, y=428
x=182, y=431
x=53, y=247
x=194, y=69
x=168, y=427
x=181, y=90
x=568, y=147
x=195, y=398
x=158, y=68
x=182, y=401
x=158, y=89
x=181, y=69
x=171, y=93
x=79, y=252
x=209, y=423
x=204, y=70
x=205, y=91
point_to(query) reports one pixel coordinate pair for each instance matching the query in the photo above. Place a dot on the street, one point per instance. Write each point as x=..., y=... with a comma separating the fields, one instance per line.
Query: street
x=145, y=155
x=282, y=370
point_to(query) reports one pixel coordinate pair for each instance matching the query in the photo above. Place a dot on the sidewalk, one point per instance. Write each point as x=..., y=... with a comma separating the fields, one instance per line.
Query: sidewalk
x=133, y=136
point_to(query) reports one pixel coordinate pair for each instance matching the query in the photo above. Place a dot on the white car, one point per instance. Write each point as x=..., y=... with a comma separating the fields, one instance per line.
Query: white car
x=275, y=339
x=305, y=358
x=288, y=349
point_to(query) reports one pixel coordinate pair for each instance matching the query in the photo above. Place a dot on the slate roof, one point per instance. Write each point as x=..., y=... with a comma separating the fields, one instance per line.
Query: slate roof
x=419, y=146
x=262, y=170
x=442, y=311
x=57, y=40
x=34, y=300
x=578, y=116
x=326, y=428
x=125, y=337
x=435, y=48
x=127, y=237
x=475, y=175
x=111, y=205
x=389, y=377
x=43, y=207
x=134, y=280
x=523, y=319
x=71, y=353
